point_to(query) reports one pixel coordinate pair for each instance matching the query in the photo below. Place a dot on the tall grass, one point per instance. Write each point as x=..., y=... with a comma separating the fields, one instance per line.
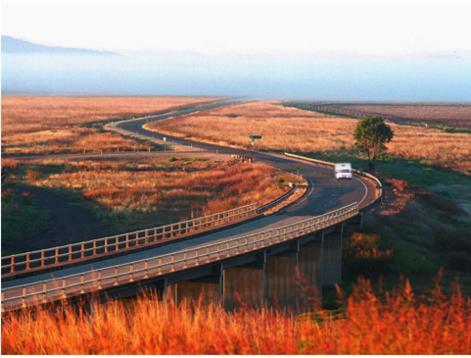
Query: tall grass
x=395, y=322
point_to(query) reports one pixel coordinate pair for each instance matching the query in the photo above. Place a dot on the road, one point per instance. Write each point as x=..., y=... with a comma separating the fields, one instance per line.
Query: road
x=325, y=194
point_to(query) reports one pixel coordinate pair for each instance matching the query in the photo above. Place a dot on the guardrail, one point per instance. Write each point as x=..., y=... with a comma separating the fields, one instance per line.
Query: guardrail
x=86, y=250
x=379, y=185
x=73, y=285
x=278, y=200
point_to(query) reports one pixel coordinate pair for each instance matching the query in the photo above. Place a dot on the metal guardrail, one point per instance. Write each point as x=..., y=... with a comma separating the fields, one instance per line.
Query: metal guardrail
x=73, y=285
x=379, y=185
x=86, y=250
x=278, y=200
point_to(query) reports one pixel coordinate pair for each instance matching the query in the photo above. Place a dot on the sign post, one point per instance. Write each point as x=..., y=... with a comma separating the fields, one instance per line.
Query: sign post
x=253, y=138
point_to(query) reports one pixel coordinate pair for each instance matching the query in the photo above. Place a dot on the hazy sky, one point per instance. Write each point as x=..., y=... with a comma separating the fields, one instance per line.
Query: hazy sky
x=245, y=27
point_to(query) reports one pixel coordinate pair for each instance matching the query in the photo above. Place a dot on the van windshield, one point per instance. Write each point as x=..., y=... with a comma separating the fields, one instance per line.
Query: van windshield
x=344, y=170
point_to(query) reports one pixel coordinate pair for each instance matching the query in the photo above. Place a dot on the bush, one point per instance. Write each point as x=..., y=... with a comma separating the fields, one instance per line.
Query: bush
x=363, y=254
x=32, y=175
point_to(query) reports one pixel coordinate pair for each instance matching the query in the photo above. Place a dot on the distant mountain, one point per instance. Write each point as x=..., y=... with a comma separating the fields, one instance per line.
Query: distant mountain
x=13, y=45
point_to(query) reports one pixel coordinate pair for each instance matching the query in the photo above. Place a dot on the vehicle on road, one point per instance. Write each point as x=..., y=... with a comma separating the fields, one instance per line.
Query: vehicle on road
x=343, y=171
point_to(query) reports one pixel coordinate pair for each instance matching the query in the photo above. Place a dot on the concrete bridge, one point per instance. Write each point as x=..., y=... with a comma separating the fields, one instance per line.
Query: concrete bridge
x=242, y=257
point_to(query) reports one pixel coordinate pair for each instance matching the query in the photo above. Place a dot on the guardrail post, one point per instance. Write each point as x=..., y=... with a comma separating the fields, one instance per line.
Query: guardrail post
x=82, y=250
x=63, y=288
x=12, y=264
x=27, y=262
x=70, y=252
x=127, y=241
x=82, y=283
x=115, y=274
x=99, y=280
x=131, y=270
x=94, y=247
x=105, y=245
x=23, y=296
x=146, y=268
x=44, y=292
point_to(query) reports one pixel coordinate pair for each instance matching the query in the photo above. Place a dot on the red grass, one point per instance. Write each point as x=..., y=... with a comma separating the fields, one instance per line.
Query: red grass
x=397, y=322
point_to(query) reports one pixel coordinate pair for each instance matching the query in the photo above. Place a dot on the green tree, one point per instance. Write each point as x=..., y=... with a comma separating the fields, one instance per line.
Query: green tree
x=371, y=134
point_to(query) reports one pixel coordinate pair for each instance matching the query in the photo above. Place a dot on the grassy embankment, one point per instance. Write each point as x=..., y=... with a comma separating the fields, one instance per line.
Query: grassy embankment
x=119, y=195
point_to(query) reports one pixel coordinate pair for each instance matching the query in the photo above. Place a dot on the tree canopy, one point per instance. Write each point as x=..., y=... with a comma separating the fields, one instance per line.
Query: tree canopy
x=371, y=134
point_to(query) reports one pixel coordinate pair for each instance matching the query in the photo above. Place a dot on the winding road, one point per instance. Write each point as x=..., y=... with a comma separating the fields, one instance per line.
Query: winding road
x=324, y=194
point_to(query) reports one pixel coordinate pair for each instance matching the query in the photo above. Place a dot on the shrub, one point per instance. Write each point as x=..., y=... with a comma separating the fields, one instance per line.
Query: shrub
x=364, y=254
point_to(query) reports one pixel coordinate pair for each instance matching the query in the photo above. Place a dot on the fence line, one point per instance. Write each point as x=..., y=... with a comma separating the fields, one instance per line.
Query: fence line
x=73, y=285
x=72, y=253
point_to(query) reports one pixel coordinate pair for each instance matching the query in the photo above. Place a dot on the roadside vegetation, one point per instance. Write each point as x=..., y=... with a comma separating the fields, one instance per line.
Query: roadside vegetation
x=121, y=194
x=370, y=322
x=65, y=124
x=423, y=224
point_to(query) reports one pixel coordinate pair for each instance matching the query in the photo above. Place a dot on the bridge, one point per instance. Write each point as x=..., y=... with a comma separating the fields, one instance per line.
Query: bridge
x=240, y=255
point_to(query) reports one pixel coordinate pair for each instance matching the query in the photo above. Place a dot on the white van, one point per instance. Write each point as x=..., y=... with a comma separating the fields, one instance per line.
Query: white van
x=343, y=171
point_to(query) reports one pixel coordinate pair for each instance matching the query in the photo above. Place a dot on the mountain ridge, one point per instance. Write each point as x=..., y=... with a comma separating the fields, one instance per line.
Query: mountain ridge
x=13, y=45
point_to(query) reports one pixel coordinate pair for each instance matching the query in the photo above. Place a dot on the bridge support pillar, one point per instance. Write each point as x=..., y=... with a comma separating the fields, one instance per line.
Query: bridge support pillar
x=243, y=285
x=332, y=257
x=207, y=289
x=310, y=280
x=280, y=276
x=357, y=221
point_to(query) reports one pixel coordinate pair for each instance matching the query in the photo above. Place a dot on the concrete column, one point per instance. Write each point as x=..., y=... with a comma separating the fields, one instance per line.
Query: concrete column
x=280, y=278
x=243, y=285
x=310, y=270
x=206, y=289
x=332, y=258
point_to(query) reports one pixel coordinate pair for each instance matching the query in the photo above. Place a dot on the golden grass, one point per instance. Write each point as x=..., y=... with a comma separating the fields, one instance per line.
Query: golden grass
x=292, y=129
x=168, y=183
x=396, y=322
x=52, y=124
x=457, y=115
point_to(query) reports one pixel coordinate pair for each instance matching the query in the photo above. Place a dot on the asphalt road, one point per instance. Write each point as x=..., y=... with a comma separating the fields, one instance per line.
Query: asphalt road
x=325, y=194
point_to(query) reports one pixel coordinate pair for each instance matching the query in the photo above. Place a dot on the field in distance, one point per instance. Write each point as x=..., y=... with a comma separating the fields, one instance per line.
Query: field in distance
x=64, y=124
x=448, y=116
x=292, y=129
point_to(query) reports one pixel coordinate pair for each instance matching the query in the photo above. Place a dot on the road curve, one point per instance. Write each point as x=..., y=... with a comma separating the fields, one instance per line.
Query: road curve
x=325, y=194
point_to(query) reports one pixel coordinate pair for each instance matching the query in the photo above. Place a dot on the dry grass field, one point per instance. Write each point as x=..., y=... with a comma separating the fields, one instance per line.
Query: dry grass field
x=173, y=184
x=53, y=124
x=395, y=322
x=291, y=129
x=456, y=115
x=57, y=201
